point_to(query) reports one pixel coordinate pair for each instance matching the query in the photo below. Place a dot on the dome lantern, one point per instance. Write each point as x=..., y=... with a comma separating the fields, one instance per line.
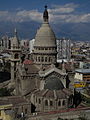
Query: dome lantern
x=45, y=14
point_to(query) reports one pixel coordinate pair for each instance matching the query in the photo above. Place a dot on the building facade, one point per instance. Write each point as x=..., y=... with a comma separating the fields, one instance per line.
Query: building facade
x=63, y=50
x=31, y=45
x=5, y=43
x=44, y=85
x=15, y=55
x=45, y=48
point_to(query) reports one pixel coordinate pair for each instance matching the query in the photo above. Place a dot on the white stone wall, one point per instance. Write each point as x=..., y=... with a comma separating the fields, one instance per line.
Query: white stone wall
x=79, y=76
x=63, y=49
x=31, y=44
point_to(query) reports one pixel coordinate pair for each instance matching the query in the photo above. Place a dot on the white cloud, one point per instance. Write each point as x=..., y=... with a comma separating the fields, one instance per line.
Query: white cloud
x=85, y=18
x=78, y=18
x=60, y=10
x=67, y=8
x=3, y=13
x=71, y=5
x=57, y=13
x=29, y=15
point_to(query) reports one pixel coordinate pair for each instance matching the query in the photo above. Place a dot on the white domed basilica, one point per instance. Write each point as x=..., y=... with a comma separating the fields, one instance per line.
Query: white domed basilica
x=45, y=49
x=39, y=80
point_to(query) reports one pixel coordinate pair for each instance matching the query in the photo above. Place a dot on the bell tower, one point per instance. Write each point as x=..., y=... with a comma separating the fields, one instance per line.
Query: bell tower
x=15, y=55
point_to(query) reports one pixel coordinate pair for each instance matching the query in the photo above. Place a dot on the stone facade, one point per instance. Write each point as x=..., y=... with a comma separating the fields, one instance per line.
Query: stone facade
x=44, y=85
x=15, y=55
x=47, y=100
x=13, y=106
x=45, y=49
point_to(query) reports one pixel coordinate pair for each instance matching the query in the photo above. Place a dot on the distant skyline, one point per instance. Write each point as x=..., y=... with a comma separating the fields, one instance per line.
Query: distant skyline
x=68, y=18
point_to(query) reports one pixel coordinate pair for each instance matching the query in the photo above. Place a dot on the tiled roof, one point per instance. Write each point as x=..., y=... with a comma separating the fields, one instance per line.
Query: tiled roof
x=30, y=69
x=27, y=61
x=84, y=71
x=14, y=100
x=59, y=94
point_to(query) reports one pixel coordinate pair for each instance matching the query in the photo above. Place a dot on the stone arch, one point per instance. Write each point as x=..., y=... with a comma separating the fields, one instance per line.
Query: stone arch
x=39, y=101
x=63, y=102
x=46, y=102
x=38, y=59
x=45, y=59
x=16, y=56
x=42, y=59
x=59, y=103
x=51, y=103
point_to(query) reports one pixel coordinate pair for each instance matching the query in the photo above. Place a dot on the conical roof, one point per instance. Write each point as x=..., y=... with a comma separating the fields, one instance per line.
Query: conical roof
x=15, y=40
x=45, y=36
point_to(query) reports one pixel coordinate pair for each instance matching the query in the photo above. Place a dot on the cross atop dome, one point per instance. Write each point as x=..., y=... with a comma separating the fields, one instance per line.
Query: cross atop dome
x=45, y=14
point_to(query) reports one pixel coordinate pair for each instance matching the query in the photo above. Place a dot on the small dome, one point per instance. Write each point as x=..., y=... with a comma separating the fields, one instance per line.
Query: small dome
x=45, y=36
x=53, y=83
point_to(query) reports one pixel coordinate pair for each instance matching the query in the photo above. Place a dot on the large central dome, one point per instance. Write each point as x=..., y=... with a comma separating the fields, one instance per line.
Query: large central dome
x=45, y=36
x=45, y=43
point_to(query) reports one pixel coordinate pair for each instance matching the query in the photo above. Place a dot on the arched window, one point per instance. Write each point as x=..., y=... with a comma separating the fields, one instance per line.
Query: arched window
x=25, y=111
x=36, y=100
x=59, y=103
x=51, y=103
x=36, y=58
x=46, y=48
x=16, y=56
x=49, y=48
x=49, y=59
x=70, y=100
x=9, y=44
x=45, y=59
x=42, y=59
x=39, y=59
x=39, y=101
x=63, y=103
x=46, y=102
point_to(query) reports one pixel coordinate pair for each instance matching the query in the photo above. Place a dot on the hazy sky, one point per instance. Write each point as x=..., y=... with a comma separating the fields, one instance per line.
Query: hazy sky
x=60, y=12
x=75, y=9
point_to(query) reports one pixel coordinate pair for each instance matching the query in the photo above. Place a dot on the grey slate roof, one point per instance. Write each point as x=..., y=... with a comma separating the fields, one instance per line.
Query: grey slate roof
x=53, y=83
x=83, y=71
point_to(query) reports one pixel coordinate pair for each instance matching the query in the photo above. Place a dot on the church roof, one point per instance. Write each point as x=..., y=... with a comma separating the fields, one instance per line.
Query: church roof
x=45, y=36
x=54, y=94
x=14, y=100
x=28, y=61
x=53, y=83
x=51, y=69
x=28, y=69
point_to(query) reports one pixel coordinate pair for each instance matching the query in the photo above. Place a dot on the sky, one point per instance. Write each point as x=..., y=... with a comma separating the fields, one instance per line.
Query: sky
x=68, y=18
